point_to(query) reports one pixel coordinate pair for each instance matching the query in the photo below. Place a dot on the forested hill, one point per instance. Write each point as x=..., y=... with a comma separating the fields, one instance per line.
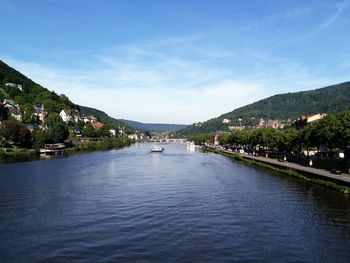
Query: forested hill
x=330, y=99
x=154, y=127
x=26, y=92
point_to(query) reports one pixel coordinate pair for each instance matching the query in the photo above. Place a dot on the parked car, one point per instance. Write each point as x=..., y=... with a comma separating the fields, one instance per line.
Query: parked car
x=335, y=171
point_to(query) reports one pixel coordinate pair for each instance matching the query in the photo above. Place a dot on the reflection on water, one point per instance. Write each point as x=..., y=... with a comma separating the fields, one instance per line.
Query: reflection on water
x=180, y=205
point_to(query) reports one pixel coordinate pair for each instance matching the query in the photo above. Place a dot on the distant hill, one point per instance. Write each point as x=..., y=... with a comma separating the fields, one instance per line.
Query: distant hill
x=154, y=127
x=330, y=99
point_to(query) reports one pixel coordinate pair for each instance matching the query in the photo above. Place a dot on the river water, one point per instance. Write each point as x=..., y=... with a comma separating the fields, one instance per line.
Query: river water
x=131, y=205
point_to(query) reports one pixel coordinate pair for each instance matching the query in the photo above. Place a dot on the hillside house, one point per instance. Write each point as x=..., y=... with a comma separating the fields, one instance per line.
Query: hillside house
x=16, y=114
x=66, y=115
x=92, y=119
x=316, y=117
x=39, y=112
x=275, y=124
x=14, y=85
x=303, y=120
x=97, y=125
x=113, y=132
x=33, y=127
x=236, y=127
x=226, y=121
x=133, y=136
x=9, y=103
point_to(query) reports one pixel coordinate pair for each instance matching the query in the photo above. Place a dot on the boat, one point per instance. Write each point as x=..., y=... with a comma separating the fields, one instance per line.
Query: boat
x=157, y=149
x=53, y=149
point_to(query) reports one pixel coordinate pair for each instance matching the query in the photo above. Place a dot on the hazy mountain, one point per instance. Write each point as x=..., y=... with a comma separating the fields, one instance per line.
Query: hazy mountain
x=154, y=127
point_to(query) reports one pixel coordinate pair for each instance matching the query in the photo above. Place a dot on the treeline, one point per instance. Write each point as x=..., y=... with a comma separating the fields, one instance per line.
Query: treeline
x=14, y=133
x=331, y=133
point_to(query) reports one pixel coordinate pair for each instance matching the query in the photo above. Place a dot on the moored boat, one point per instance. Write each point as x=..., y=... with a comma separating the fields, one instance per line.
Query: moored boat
x=56, y=148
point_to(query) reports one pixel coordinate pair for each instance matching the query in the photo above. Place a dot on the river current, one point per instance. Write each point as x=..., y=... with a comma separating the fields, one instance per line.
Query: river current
x=181, y=205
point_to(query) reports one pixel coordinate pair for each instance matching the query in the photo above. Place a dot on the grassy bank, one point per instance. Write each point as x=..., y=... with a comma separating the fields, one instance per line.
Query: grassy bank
x=13, y=153
x=107, y=144
x=16, y=154
x=291, y=173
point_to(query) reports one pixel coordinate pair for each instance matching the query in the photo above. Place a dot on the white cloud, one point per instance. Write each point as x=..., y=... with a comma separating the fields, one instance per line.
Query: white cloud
x=161, y=81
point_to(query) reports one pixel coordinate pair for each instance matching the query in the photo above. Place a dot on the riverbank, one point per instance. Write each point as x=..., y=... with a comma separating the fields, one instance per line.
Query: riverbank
x=15, y=154
x=339, y=183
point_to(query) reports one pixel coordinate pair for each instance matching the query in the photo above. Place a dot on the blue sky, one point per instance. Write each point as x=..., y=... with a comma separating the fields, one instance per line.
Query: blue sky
x=176, y=61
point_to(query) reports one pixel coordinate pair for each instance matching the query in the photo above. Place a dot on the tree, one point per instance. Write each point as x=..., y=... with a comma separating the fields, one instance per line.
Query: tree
x=40, y=138
x=15, y=132
x=28, y=111
x=328, y=131
x=3, y=112
x=56, y=129
x=89, y=131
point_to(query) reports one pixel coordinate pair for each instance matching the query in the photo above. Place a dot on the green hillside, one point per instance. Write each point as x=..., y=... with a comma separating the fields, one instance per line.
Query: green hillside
x=26, y=93
x=30, y=92
x=331, y=99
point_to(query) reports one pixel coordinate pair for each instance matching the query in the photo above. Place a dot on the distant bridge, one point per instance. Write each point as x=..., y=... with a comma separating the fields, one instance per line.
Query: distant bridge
x=181, y=140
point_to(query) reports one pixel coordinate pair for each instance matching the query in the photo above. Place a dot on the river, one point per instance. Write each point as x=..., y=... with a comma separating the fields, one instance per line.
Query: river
x=181, y=205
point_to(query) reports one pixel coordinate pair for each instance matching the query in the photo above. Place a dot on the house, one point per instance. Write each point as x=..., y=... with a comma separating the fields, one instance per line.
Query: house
x=97, y=125
x=85, y=119
x=275, y=124
x=39, y=112
x=77, y=132
x=316, y=117
x=226, y=121
x=14, y=85
x=133, y=136
x=9, y=103
x=92, y=119
x=33, y=127
x=303, y=120
x=16, y=113
x=112, y=132
x=236, y=128
x=66, y=115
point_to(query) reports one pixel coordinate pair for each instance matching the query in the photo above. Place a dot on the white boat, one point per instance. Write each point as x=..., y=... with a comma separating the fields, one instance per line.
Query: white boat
x=56, y=148
x=157, y=149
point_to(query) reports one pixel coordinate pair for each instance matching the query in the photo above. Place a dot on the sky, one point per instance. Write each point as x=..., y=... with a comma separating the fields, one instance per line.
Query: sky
x=176, y=61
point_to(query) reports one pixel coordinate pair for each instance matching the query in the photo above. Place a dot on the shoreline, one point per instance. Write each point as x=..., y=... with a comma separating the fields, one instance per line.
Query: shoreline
x=339, y=183
x=16, y=155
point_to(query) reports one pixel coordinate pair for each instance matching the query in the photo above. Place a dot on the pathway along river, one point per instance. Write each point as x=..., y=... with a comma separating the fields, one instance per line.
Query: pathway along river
x=131, y=205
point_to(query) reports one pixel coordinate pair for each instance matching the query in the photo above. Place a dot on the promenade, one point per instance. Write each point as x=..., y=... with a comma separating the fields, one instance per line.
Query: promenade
x=343, y=179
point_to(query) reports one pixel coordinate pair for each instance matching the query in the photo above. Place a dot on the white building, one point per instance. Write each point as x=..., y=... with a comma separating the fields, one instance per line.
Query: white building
x=66, y=116
x=112, y=132
x=133, y=136
x=226, y=121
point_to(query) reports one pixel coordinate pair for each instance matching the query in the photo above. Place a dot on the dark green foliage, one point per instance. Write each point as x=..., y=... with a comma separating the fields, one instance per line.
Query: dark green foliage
x=3, y=112
x=330, y=99
x=56, y=129
x=201, y=138
x=89, y=131
x=15, y=132
x=32, y=93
